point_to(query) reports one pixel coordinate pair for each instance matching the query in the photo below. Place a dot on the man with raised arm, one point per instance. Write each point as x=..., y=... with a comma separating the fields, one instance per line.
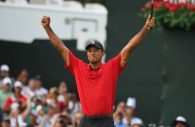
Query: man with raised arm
x=96, y=82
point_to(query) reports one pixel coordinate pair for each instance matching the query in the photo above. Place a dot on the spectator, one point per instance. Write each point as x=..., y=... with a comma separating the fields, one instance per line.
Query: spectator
x=63, y=94
x=23, y=77
x=5, y=71
x=63, y=89
x=136, y=122
x=52, y=116
x=38, y=101
x=119, y=115
x=76, y=119
x=31, y=89
x=41, y=92
x=33, y=119
x=17, y=115
x=18, y=97
x=5, y=123
x=59, y=122
x=41, y=115
x=74, y=105
x=5, y=92
x=52, y=95
x=180, y=122
x=66, y=120
x=119, y=120
x=129, y=111
x=62, y=102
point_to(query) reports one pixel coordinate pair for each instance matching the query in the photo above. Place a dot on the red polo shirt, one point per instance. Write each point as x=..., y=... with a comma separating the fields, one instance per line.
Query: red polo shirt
x=96, y=88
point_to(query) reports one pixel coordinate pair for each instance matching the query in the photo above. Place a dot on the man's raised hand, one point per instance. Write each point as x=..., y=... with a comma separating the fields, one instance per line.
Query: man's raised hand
x=150, y=22
x=45, y=21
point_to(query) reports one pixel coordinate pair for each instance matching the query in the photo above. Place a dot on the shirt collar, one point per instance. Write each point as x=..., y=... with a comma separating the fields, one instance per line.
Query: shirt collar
x=89, y=68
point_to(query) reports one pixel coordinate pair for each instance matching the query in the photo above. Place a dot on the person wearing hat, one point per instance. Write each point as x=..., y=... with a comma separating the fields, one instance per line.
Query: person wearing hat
x=41, y=115
x=5, y=92
x=52, y=115
x=180, y=121
x=136, y=122
x=18, y=97
x=41, y=91
x=129, y=111
x=18, y=114
x=4, y=70
x=96, y=82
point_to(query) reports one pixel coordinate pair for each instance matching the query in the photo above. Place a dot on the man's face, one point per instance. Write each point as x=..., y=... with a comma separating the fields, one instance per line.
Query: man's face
x=130, y=111
x=4, y=73
x=136, y=125
x=5, y=124
x=63, y=88
x=17, y=90
x=32, y=118
x=180, y=125
x=7, y=87
x=32, y=84
x=51, y=111
x=38, y=83
x=94, y=55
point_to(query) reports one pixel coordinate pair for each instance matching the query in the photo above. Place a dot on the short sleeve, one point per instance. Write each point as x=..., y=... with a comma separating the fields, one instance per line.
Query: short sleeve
x=73, y=62
x=116, y=64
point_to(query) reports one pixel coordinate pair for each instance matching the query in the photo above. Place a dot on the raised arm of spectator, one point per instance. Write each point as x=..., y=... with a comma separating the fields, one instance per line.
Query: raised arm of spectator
x=126, y=51
x=26, y=112
x=56, y=42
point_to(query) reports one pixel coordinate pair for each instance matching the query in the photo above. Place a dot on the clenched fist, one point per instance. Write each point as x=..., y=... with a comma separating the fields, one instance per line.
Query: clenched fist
x=45, y=21
x=150, y=22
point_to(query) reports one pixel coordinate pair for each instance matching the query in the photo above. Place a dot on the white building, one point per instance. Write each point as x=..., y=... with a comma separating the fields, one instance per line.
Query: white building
x=20, y=21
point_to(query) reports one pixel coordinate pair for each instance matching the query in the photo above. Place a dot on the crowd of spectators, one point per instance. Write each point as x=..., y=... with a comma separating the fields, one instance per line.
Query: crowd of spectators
x=25, y=102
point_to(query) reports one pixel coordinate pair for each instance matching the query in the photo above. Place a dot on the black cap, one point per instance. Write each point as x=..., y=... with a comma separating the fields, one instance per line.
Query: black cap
x=94, y=43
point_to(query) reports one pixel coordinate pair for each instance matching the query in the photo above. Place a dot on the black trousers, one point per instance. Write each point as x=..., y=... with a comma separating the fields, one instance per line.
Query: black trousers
x=106, y=121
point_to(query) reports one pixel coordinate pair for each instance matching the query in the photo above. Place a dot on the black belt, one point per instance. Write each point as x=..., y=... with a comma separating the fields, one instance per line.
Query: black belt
x=97, y=116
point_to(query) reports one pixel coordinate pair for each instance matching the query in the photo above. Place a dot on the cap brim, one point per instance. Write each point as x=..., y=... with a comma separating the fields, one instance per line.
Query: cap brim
x=175, y=122
x=90, y=45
